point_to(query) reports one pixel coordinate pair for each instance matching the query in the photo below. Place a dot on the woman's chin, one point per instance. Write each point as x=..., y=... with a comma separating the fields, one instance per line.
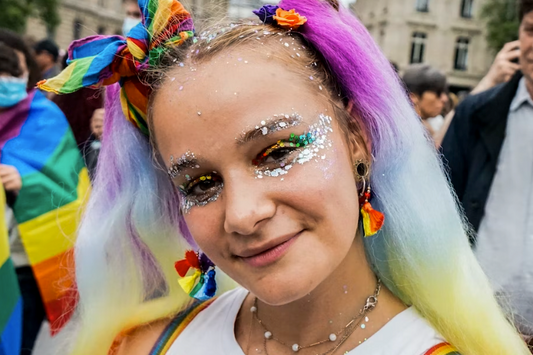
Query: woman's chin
x=282, y=292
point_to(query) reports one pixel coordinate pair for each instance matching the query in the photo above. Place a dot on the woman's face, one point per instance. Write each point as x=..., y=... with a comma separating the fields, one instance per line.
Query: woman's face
x=277, y=214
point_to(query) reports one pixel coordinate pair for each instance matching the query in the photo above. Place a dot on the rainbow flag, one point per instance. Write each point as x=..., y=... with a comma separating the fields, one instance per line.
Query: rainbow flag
x=35, y=138
x=10, y=300
x=97, y=61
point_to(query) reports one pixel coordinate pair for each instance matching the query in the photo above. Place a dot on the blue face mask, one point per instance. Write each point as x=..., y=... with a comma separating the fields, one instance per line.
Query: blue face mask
x=12, y=90
x=129, y=23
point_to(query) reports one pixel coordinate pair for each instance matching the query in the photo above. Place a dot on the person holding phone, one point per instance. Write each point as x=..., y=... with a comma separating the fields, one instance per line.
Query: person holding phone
x=488, y=152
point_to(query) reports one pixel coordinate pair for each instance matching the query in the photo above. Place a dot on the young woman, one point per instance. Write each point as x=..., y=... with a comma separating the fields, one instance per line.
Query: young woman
x=270, y=147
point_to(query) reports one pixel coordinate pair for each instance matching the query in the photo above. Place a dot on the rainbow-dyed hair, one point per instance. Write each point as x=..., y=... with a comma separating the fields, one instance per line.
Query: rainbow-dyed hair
x=133, y=233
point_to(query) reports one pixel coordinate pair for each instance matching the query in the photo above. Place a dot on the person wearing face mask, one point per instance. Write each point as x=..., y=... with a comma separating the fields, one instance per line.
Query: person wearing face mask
x=11, y=305
x=44, y=178
x=133, y=16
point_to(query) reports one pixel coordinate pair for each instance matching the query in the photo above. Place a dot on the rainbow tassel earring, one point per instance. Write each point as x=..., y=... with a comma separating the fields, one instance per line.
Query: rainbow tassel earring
x=372, y=220
x=201, y=284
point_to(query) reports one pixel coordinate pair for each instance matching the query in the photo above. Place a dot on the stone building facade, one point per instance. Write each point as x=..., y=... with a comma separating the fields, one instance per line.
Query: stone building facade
x=81, y=18
x=447, y=34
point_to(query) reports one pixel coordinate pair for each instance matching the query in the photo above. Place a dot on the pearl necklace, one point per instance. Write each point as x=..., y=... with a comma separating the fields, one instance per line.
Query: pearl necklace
x=346, y=331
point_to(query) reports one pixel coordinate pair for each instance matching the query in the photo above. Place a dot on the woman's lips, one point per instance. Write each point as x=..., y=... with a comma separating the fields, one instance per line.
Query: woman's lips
x=271, y=255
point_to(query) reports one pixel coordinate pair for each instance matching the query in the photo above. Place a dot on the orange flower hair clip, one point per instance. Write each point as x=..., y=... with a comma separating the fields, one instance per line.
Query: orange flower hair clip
x=290, y=20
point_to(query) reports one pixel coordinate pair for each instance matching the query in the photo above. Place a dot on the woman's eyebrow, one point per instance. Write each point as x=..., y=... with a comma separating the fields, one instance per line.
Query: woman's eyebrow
x=273, y=124
x=186, y=161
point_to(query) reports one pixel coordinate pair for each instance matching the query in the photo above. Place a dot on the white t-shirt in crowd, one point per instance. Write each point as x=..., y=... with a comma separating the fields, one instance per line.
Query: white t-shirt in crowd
x=212, y=332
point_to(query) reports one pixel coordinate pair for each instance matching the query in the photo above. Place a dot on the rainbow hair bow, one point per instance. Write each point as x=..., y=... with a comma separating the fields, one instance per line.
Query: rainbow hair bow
x=98, y=61
x=201, y=284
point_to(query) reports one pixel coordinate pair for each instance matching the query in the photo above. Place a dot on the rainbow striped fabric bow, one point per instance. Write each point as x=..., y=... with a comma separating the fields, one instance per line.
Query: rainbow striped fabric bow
x=201, y=284
x=104, y=60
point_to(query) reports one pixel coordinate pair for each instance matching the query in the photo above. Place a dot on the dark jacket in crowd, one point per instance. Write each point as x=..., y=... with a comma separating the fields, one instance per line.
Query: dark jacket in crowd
x=473, y=143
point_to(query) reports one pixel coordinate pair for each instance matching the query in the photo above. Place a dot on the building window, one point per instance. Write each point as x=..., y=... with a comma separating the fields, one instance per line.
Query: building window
x=422, y=5
x=77, y=29
x=418, y=46
x=466, y=8
x=461, y=53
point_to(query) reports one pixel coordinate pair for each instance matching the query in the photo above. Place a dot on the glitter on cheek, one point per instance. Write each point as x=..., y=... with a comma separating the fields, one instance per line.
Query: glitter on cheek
x=327, y=164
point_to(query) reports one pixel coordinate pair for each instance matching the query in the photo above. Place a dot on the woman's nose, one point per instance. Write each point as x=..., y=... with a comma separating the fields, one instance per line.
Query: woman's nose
x=247, y=204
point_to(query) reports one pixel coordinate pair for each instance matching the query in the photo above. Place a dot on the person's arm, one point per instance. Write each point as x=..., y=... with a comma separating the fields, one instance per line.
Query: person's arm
x=502, y=69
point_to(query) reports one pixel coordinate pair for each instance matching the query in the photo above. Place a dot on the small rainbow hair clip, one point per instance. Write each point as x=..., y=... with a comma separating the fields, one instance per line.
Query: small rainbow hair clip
x=201, y=284
x=272, y=14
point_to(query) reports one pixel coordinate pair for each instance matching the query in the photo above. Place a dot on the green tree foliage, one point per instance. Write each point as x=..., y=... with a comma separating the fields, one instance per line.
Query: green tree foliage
x=14, y=13
x=501, y=17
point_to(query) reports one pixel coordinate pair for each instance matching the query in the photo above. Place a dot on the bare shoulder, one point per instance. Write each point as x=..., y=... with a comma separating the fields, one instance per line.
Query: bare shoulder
x=141, y=340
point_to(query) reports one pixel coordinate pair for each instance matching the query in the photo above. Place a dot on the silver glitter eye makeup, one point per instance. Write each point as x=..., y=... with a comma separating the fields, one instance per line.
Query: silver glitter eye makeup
x=186, y=161
x=310, y=146
x=278, y=123
x=200, y=191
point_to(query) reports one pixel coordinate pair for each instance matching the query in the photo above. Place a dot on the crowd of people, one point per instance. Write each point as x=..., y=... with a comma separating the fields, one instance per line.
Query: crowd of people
x=360, y=210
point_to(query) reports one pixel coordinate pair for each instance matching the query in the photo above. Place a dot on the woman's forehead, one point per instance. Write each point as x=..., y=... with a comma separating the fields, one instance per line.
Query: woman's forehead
x=227, y=94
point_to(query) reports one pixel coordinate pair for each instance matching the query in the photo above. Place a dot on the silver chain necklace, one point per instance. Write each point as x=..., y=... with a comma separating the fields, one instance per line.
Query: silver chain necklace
x=338, y=337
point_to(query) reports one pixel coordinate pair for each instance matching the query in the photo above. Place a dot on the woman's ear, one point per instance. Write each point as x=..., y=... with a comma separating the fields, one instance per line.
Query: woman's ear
x=358, y=137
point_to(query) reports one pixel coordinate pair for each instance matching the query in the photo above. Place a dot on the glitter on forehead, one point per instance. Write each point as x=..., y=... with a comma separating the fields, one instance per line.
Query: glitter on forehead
x=313, y=143
x=186, y=161
x=204, y=38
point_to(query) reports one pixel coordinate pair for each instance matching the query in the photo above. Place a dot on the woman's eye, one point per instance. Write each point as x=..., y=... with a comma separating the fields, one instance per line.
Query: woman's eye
x=203, y=187
x=278, y=155
x=279, y=151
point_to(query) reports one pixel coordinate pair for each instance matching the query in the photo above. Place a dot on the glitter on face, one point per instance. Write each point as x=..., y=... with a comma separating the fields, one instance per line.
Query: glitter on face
x=312, y=144
x=273, y=124
x=186, y=161
x=201, y=191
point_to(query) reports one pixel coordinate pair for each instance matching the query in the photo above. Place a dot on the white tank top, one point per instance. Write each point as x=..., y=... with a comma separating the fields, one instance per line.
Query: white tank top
x=212, y=332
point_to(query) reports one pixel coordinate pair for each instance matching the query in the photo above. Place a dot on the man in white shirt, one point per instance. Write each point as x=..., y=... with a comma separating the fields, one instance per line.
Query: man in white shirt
x=489, y=152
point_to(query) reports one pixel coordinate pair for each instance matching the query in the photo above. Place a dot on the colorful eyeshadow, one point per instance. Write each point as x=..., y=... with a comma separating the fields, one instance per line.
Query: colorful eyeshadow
x=314, y=141
x=189, y=201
